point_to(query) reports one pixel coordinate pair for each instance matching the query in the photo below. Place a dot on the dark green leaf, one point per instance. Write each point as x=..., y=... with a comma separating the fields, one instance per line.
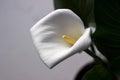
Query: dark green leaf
x=107, y=35
x=83, y=70
x=83, y=8
x=99, y=72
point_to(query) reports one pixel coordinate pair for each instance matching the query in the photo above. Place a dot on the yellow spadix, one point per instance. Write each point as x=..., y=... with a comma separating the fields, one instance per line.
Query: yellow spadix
x=69, y=39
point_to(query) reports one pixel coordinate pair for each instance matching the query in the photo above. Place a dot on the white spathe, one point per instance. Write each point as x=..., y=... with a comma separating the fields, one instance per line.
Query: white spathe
x=47, y=36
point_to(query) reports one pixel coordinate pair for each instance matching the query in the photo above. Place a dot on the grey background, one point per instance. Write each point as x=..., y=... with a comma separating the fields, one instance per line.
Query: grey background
x=18, y=56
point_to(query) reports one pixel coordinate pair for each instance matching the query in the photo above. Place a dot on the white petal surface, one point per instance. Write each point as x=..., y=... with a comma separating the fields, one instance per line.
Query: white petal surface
x=47, y=35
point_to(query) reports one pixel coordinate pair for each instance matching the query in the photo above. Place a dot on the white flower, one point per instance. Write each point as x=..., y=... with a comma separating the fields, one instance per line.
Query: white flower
x=59, y=35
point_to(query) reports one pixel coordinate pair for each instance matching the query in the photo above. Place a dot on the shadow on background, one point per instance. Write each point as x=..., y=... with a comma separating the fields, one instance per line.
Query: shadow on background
x=82, y=71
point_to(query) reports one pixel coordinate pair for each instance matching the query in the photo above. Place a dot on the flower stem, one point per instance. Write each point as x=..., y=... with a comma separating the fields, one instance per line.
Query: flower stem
x=97, y=59
x=100, y=61
x=92, y=48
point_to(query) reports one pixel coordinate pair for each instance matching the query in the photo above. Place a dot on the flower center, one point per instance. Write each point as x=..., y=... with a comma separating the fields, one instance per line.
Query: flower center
x=69, y=39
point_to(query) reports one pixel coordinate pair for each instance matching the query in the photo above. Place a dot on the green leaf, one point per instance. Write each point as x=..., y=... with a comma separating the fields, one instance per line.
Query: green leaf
x=83, y=70
x=99, y=72
x=83, y=8
x=107, y=35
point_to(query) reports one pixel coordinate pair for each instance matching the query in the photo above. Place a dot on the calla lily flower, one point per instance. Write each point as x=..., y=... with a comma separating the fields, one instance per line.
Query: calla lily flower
x=59, y=35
